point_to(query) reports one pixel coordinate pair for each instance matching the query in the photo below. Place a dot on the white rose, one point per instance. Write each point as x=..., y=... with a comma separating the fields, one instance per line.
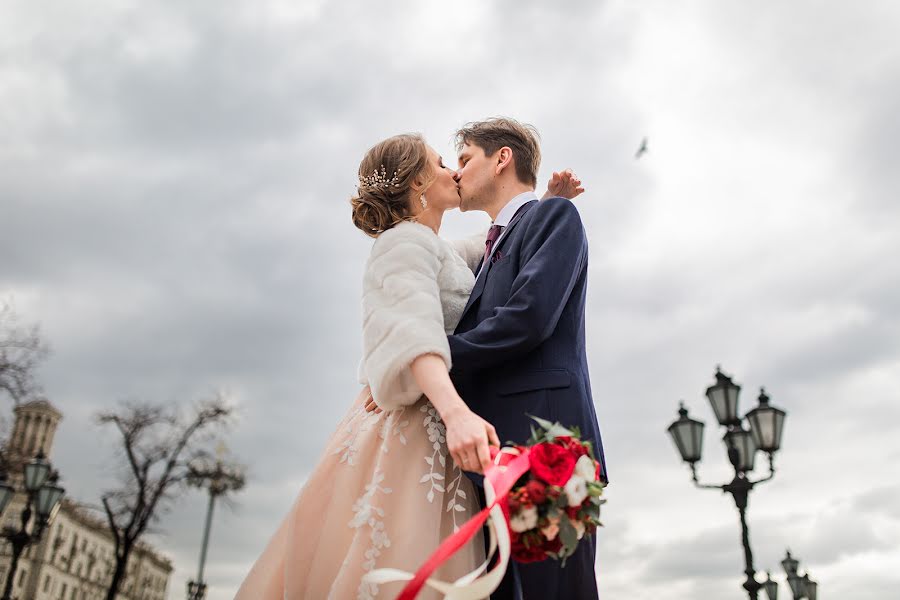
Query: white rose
x=585, y=468
x=524, y=520
x=576, y=490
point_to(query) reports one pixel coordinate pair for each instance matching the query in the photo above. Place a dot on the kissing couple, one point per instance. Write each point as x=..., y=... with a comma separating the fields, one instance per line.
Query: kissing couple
x=462, y=341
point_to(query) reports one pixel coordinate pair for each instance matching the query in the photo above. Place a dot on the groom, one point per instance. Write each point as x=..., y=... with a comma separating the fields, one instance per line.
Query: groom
x=519, y=348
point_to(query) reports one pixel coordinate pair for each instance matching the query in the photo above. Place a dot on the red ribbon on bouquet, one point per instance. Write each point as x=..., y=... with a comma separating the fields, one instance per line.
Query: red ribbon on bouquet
x=502, y=476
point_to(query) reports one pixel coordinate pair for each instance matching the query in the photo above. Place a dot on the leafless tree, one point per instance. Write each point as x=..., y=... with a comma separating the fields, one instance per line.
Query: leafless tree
x=21, y=351
x=158, y=446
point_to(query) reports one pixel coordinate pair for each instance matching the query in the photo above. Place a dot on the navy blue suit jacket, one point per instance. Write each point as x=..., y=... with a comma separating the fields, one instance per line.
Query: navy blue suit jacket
x=519, y=348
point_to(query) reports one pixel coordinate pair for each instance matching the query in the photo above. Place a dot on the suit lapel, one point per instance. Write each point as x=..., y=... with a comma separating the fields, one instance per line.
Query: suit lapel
x=482, y=276
x=513, y=222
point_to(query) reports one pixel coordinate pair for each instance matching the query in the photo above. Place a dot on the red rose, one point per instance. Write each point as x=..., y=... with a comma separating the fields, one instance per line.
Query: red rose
x=536, y=491
x=572, y=445
x=554, y=545
x=572, y=511
x=533, y=552
x=552, y=463
x=525, y=498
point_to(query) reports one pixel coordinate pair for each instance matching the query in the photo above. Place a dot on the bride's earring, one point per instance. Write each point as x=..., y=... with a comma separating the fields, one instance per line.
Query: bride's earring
x=423, y=201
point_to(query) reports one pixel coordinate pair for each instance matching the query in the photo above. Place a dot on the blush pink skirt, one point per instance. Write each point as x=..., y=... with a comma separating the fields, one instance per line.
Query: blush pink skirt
x=385, y=494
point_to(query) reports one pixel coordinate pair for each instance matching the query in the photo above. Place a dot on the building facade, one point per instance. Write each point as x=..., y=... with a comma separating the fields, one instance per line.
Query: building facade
x=75, y=557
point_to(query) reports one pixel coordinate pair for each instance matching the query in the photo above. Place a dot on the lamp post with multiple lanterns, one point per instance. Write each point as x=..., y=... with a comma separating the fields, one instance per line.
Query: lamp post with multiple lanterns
x=43, y=496
x=801, y=587
x=764, y=426
x=219, y=479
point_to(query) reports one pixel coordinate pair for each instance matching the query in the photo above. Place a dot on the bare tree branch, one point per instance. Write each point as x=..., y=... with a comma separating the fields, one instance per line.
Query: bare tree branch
x=22, y=349
x=112, y=521
x=158, y=444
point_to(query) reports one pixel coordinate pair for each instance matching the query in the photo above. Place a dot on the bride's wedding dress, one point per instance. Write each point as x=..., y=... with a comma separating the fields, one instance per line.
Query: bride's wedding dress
x=385, y=492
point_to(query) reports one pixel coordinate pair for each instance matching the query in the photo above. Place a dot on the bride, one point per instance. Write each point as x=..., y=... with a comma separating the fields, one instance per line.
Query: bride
x=384, y=492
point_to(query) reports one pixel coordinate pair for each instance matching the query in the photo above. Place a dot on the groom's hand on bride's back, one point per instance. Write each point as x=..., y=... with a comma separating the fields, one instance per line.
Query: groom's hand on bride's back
x=469, y=438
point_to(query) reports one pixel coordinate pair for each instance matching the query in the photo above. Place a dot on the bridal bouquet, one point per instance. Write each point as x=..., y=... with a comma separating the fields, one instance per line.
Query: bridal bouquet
x=557, y=502
x=542, y=498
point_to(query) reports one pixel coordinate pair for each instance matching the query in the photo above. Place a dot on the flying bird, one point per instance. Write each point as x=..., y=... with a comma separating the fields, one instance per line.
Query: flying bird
x=642, y=150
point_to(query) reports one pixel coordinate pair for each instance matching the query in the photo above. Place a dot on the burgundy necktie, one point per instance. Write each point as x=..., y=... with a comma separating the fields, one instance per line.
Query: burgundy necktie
x=493, y=234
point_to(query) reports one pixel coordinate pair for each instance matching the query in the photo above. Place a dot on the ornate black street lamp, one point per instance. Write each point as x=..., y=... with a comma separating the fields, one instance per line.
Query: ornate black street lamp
x=765, y=425
x=219, y=479
x=43, y=497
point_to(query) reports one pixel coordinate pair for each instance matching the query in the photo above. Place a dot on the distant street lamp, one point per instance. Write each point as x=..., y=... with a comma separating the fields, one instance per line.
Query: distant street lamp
x=43, y=496
x=765, y=425
x=219, y=479
x=812, y=588
x=771, y=587
x=801, y=587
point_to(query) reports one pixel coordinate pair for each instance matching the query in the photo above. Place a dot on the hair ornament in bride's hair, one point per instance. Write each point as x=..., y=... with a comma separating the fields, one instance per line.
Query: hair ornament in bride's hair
x=379, y=179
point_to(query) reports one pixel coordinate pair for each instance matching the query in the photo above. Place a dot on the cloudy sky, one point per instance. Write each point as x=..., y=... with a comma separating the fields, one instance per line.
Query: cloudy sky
x=174, y=184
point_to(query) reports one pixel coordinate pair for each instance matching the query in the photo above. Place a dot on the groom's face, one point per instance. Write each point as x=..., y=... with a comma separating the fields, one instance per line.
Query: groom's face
x=476, y=178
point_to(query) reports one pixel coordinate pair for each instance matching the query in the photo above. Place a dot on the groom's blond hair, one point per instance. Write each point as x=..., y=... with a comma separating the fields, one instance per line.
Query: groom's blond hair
x=492, y=134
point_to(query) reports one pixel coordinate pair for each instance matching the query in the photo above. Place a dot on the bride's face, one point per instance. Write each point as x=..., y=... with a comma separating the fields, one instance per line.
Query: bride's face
x=443, y=193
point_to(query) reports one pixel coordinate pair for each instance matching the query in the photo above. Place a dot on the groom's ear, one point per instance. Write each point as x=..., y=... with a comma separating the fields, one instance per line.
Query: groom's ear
x=504, y=158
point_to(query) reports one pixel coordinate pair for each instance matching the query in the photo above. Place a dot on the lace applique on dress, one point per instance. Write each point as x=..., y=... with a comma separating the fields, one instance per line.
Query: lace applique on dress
x=437, y=435
x=393, y=426
x=367, y=513
x=348, y=448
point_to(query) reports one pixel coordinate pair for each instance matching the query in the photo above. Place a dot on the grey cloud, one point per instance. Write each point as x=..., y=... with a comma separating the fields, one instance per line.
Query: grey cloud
x=880, y=500
x=715, y=553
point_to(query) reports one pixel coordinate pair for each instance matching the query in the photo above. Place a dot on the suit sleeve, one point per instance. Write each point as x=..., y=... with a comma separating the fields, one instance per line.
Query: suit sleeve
x=553, y=258
x=402, y=314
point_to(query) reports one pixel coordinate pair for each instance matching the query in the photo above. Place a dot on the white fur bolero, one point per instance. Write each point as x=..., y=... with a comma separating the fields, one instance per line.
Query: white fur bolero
x=415, y=287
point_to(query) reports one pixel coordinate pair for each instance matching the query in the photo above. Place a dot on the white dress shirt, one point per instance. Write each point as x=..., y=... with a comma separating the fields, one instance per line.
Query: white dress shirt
x=507, y=213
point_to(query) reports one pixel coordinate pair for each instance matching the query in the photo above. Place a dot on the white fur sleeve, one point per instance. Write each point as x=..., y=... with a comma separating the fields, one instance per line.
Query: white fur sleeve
x=402, y=315
x=470, y=248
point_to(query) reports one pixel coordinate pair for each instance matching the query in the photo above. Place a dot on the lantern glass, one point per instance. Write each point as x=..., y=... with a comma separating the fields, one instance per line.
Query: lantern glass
x=742, y=441
x=6, y=494
x=36, y=473
x=766, y=424
x=687, y=434
x=723, y=397
x=812, y=588
x=790, y=564
x=798, y=589
x=771, y=587
x=47, y=499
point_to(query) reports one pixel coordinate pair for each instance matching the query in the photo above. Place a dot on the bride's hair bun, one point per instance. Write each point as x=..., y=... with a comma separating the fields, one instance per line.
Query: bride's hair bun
x=387, y=174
